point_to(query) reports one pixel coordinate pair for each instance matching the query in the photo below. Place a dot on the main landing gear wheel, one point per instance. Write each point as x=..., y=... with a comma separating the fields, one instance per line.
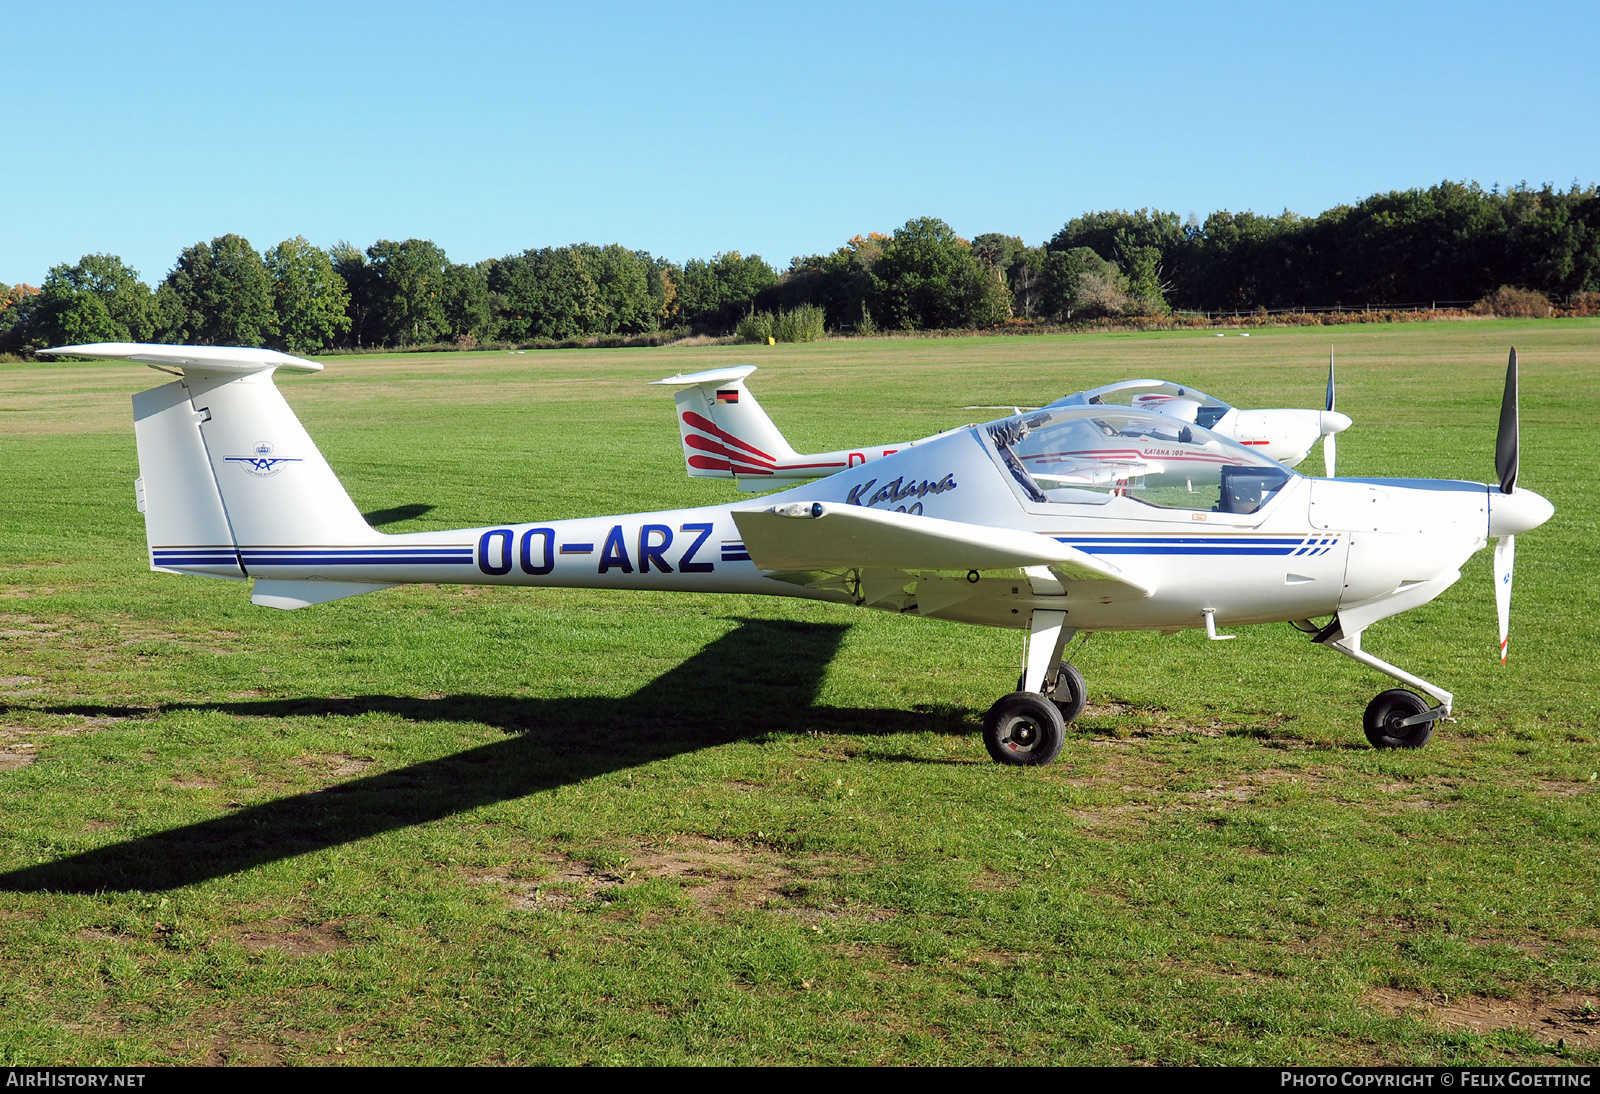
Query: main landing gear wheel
x=1387, y=711
x=1069, y=693
x=1023, y=729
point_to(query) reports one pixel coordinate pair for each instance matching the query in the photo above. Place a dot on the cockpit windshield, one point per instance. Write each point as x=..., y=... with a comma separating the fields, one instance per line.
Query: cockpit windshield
x=1085, y=454
x=1161, y=396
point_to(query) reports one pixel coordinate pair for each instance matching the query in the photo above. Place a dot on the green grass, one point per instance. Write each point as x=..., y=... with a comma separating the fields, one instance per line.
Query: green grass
x=457, y=826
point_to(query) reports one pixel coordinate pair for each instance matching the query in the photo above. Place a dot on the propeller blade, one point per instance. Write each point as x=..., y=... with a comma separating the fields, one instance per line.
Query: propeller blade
x=1505, y=554
x=1505, y=442
x=1329, y=453
x=1330, y=383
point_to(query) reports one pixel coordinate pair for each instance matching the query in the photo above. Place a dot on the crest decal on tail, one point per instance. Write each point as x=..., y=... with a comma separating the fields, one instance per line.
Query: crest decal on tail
x=263, y=464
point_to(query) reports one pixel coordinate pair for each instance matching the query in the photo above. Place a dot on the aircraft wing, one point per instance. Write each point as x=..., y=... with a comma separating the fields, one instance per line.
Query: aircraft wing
x=829, y=536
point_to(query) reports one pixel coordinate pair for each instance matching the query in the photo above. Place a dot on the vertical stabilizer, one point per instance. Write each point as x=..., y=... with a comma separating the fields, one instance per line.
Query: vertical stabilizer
x=275, y=486
x=224, y=464
x=724, y=431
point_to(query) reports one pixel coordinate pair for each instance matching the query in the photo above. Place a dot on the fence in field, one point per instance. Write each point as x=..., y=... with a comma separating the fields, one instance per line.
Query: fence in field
x=1314, y=309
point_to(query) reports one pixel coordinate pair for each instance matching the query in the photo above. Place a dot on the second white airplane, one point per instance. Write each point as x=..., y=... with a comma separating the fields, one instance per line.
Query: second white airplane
x=727, y=435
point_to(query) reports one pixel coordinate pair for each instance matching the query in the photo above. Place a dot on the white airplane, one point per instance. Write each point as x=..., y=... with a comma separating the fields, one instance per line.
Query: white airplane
x=1011, y=524
x=1281, y=434
x=725, y=433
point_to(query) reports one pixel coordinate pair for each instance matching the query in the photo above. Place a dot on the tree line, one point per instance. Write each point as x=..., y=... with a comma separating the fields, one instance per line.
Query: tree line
x=1454, y=242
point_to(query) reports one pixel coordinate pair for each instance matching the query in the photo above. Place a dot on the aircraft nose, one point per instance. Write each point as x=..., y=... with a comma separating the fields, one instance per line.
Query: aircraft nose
x=1522, y=511
x=1331, y=421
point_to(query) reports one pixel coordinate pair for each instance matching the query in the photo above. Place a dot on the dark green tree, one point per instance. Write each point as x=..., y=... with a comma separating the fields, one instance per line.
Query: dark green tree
x=997, y=251
x=97, y=299
x=1241, y=261
x=547, y=293
x=1026, y=277
x=1148, y=246
x=717, y=292
x=1554, y=239
x=409, y=291
x=311, y=299
x=1452, y=241
x=840, y=283
x=221, y=295
x=468, y=318
x=928, y=278
x=622, y=284
x=360, y=279
x=990, y=300
x=1078, y=284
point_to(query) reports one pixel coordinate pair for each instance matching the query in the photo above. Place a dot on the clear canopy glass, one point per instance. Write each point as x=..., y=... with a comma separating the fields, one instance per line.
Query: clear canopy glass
x=1087, y=454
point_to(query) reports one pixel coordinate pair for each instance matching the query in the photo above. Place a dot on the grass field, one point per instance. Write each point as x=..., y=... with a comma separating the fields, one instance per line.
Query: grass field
x=456, y=826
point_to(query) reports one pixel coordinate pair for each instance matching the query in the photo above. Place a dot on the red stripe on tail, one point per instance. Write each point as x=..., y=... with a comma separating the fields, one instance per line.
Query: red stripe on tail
x=706, y=463
x=705, y=444
x=706, y=425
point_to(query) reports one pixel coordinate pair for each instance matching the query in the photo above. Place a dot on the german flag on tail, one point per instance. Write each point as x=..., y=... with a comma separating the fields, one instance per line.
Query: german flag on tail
x=728, y=395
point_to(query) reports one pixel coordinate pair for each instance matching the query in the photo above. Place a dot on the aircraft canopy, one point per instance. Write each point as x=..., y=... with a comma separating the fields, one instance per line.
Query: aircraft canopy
x=1090, y=454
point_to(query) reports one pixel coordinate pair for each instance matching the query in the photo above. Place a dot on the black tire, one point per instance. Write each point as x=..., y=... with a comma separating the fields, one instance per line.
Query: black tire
x=1023, y=729
x=1384, y=714
x=1071, y=693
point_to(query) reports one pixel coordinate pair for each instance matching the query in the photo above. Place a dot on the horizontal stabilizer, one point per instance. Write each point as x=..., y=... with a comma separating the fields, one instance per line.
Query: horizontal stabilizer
x=290, y=595
x=710, y=376
x=191, y=360
x=828, y=536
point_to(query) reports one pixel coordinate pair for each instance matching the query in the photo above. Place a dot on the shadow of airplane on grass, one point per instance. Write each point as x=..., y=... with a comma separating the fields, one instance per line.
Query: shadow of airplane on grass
x=380, y=517
x=761, y=677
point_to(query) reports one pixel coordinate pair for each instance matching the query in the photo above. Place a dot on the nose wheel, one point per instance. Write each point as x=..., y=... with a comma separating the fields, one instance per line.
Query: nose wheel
x=1390, y=720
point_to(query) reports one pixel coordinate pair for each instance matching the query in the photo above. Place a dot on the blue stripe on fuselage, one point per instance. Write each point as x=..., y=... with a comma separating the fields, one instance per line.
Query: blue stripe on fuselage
x=444, y=555
x=1198, y=545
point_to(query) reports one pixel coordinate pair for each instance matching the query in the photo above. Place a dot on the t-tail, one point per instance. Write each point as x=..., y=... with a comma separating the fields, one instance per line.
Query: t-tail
x=213, y=448
x=726, y=435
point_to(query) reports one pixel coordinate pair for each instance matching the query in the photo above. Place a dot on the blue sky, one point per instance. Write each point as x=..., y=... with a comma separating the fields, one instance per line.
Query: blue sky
x=686, y=129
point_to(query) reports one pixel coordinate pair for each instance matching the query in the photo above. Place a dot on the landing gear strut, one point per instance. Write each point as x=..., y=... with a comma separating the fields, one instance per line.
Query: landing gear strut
x=1029, y=725
x=1396, y=718
x=1069, y=693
